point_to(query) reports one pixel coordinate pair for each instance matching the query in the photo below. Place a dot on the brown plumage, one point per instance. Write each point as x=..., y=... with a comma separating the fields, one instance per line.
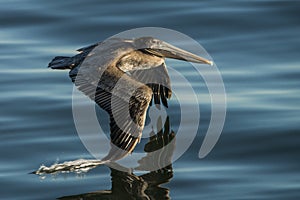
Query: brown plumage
x=122, y=76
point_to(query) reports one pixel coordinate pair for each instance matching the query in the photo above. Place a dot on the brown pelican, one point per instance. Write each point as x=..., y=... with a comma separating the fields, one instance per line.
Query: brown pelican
x=122, y=76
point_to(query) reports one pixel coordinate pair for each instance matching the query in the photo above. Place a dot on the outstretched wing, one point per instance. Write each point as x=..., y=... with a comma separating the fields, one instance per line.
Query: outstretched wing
x=127, y=115
x=158, y=80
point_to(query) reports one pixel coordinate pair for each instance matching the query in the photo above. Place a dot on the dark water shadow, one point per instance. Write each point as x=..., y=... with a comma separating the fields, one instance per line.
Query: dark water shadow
x=127, y=185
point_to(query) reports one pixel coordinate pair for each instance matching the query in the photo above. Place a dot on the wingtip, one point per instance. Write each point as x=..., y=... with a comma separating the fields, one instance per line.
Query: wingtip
x=33, y=172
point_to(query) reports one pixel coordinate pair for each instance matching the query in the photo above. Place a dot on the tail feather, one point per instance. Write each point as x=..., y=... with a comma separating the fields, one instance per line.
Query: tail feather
x=61, y=62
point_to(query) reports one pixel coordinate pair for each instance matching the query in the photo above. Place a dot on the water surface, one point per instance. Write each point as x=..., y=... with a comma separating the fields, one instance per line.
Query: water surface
x=255, y=45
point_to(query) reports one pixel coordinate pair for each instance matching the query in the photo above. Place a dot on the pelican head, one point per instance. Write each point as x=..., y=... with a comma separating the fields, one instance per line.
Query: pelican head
x=165, y=50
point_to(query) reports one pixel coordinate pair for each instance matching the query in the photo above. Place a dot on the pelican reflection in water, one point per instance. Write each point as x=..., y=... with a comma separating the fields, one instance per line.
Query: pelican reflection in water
x=123, y=76
x=127, y=185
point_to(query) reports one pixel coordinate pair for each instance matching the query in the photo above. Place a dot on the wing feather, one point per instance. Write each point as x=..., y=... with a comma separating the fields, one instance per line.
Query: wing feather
x=127, y=118
x=158, y=80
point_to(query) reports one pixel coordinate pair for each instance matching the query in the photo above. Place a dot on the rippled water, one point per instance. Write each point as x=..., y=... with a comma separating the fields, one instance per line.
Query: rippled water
x=255, y=44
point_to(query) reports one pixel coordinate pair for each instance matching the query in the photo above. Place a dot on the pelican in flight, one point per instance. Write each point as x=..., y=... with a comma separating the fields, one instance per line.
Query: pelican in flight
x=123, y=76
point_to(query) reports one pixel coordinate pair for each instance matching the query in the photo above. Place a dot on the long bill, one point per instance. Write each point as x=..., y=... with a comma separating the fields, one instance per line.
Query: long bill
x=169, y=51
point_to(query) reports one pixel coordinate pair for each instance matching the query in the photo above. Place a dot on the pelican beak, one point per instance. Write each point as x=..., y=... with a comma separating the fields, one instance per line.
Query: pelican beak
x=169, y=51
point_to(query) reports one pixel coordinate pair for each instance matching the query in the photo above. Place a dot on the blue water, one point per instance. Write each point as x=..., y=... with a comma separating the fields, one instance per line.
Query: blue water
x=255, y=44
